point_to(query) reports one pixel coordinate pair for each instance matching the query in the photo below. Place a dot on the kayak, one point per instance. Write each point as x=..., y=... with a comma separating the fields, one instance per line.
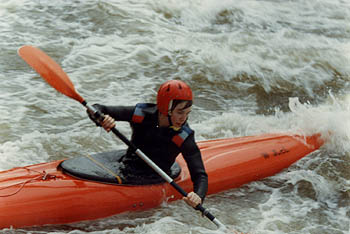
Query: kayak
x=47, y=193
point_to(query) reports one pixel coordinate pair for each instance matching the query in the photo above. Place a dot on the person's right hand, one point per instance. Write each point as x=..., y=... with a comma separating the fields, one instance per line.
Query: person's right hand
x=108, y=123
x=192, y=199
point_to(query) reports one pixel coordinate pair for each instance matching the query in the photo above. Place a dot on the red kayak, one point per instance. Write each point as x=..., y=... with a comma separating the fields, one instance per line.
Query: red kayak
x=47, y=194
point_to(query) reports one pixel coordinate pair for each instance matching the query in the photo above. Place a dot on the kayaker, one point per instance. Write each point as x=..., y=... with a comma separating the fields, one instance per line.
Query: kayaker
x=161, y=132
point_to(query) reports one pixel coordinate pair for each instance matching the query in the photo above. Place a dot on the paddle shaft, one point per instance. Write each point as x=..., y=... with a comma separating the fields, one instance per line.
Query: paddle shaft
x=99, y=116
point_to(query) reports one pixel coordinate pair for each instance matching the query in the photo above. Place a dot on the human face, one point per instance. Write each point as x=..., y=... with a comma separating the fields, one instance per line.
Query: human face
x=179, y=114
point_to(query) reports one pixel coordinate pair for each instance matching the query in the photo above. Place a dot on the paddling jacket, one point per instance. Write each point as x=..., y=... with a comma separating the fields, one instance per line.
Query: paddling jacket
x=161, y=144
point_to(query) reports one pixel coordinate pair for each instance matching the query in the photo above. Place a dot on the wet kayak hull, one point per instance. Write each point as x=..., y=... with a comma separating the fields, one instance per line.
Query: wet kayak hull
x=42, y=194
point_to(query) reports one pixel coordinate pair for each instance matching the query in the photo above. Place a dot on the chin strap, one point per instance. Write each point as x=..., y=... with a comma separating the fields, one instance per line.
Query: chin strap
x=171, y=124
x=175, y=128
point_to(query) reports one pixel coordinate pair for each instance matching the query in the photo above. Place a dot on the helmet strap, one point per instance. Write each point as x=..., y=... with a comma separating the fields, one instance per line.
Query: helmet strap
x=169, y=120
x=171, y=123
x=169, y=113
x=170, y=105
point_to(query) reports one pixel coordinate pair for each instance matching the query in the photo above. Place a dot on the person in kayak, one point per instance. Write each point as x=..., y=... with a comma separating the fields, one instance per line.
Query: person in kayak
x=161, y=132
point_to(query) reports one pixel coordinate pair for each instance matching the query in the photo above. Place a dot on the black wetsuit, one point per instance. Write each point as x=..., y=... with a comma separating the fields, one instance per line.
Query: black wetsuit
x=156, y=142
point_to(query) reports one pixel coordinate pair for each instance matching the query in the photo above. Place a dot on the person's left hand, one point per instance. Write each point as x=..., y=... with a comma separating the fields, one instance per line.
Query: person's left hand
x=192, y=199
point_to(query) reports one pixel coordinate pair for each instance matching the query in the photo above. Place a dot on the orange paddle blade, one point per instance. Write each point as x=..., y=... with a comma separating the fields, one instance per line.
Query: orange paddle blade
x=49, y=70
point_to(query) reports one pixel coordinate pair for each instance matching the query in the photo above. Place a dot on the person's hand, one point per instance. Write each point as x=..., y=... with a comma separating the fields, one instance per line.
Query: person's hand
x=192, y=199
x=108, y=123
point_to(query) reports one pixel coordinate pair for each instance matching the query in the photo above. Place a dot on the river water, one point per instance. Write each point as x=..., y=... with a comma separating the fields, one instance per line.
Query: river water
x=255, y=67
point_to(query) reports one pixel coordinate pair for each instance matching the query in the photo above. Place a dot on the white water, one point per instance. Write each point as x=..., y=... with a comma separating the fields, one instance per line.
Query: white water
x=255, y=67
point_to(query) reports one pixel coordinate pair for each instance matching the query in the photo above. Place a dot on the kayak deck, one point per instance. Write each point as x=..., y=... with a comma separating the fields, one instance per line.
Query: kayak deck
x=42, y=194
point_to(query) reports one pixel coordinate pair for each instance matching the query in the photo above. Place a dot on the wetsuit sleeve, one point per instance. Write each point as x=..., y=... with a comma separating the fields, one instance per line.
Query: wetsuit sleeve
x=119, y=113
x=193, y=158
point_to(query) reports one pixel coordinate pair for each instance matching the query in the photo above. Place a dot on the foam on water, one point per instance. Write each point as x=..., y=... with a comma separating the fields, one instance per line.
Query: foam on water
x=258, y=40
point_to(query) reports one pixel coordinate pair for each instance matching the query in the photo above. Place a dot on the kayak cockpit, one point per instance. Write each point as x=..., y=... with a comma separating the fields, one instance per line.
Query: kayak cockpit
x=107, y=167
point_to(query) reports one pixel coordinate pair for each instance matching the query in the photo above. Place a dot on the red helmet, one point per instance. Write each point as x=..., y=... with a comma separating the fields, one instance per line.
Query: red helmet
x=172, y=90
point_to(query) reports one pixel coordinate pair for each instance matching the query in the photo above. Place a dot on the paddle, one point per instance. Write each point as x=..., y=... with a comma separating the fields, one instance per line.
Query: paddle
x=58, y=79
